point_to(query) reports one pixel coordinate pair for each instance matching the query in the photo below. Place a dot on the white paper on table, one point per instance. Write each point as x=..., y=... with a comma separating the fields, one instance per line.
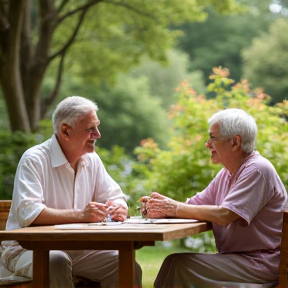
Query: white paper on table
x=107, y=226
x=160, y=221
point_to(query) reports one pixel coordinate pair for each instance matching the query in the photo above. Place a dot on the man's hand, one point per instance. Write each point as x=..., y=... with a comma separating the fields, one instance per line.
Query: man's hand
x=95, y=212
x=116, y=211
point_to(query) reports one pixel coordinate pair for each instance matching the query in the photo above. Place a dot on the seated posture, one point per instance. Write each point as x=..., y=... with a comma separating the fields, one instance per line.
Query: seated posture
x=64, y=181
x=245, y=204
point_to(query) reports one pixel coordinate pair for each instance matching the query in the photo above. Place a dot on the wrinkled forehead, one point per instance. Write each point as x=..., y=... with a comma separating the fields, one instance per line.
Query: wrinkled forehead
x=214, y=129
x=91, y=118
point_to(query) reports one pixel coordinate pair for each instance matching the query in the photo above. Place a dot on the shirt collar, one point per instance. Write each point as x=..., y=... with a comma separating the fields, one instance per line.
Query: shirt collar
x=58, y=158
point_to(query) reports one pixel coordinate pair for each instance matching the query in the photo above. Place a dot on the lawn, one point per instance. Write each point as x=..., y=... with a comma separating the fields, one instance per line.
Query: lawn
x=151, y=258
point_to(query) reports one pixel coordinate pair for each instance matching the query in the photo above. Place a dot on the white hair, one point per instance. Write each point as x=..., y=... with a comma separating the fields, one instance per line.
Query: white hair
x=70, y=110
x=236, y=122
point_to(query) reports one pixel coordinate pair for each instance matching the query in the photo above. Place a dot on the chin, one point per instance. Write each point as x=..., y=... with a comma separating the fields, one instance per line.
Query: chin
x=215, y=161
x=90, y=148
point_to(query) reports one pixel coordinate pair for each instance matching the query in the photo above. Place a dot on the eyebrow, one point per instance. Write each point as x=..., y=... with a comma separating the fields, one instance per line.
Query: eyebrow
x=91, y=127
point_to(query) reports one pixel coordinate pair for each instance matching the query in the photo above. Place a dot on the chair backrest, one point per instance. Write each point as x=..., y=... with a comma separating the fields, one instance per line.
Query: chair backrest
x=4, y=211
x=284, y=253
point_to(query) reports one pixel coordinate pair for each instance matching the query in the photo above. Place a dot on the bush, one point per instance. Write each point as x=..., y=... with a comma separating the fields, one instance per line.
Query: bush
x=12, y=146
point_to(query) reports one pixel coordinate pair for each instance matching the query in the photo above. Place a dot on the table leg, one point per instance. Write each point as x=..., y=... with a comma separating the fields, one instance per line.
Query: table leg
x=40, y=269
x=126, y=266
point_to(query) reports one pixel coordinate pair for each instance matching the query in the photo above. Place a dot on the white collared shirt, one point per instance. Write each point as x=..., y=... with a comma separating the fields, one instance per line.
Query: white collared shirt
x=45, y=178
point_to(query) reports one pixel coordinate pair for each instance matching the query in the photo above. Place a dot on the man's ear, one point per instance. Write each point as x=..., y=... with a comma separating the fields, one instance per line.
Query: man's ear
x=65, y=130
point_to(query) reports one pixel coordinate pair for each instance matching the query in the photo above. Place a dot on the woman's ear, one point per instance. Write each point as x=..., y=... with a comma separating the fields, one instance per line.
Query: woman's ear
x=236, y=141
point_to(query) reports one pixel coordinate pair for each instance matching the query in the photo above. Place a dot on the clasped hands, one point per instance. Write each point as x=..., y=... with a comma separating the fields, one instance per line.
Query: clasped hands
x=158, y=206
x=99, y=212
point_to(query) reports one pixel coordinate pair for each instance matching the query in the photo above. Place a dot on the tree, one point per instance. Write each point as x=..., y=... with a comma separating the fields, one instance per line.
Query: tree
x=163, y=79
x=36, y=34
x=220, y=39
x=265, y=61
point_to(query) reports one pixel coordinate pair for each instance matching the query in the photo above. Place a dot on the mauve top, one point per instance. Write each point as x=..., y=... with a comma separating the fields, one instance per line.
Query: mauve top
x=257, y=194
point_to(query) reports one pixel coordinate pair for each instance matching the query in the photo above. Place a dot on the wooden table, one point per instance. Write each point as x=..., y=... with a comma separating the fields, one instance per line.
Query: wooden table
x=41, y=239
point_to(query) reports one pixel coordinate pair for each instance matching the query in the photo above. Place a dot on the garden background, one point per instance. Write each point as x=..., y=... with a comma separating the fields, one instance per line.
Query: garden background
x=157, y=70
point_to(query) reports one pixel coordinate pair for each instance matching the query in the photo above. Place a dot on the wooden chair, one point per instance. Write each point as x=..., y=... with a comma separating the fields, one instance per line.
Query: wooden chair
x=4, y=211
x=284, y=253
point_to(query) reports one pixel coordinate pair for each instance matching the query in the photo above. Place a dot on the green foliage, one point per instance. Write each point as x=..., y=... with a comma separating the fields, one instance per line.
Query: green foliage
x=219, y=40
x=115, y=35
x=4, y=123
x=265, y=61
x=185, y=168
x=130, y=114
x=12, y=146
x=162, y=79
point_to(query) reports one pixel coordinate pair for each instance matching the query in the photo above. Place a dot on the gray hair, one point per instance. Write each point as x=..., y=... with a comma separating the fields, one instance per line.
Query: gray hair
x=236, y=122
x=70, y=110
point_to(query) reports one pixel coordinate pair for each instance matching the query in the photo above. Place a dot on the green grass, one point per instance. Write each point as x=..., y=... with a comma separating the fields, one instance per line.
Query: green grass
x=150, y=260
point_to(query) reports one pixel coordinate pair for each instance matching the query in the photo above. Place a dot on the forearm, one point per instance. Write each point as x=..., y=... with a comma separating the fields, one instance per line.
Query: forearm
x=50, y=216
x=212, y=213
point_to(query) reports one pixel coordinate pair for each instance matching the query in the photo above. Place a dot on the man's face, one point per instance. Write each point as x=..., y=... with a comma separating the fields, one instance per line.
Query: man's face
x=84, y=134
x=219, y=146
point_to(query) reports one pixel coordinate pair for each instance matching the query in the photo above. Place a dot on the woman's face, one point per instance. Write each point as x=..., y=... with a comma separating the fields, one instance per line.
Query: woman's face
x=219, y=146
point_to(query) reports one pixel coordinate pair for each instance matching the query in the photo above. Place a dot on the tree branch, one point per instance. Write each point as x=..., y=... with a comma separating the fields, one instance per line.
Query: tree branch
x=128, y=7
x=61, y=6
x=48, y=101
x=71, y=39
x=80, y=8
x=83, y=9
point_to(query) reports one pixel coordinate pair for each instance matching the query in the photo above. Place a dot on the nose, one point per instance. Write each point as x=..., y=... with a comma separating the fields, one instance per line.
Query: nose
x=208, y=144
x=95, y=134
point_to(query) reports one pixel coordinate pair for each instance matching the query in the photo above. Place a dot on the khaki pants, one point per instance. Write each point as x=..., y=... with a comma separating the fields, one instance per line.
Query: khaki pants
x=205, y=270
x=95, y=265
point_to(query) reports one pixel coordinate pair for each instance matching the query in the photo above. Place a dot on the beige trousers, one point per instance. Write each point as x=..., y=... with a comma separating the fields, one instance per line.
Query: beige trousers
x=96, y=265
x=205, y=270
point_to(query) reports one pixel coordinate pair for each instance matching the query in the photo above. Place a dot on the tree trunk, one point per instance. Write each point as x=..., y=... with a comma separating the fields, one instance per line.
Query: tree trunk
x=10, y=78
x=35, y=63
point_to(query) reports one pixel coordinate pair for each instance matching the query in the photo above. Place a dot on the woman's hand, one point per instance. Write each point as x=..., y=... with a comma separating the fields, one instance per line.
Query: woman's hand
x=158, y=206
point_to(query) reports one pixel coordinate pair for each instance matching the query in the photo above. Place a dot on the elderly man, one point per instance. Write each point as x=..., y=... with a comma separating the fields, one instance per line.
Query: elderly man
x=64, y=181
x=244, y=202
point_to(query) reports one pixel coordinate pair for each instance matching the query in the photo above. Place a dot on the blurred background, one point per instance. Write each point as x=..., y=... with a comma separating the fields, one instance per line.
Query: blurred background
x=157, y=70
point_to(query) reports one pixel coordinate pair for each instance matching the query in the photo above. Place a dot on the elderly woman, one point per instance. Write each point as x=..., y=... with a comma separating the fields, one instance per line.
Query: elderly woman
x=244, y=202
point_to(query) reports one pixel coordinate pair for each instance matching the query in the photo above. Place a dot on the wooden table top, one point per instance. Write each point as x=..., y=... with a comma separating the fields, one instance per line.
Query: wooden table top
x=151, y=232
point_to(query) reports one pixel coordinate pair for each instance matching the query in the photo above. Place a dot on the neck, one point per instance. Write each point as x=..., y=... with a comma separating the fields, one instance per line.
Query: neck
x=238, y=161
x=68, y=152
